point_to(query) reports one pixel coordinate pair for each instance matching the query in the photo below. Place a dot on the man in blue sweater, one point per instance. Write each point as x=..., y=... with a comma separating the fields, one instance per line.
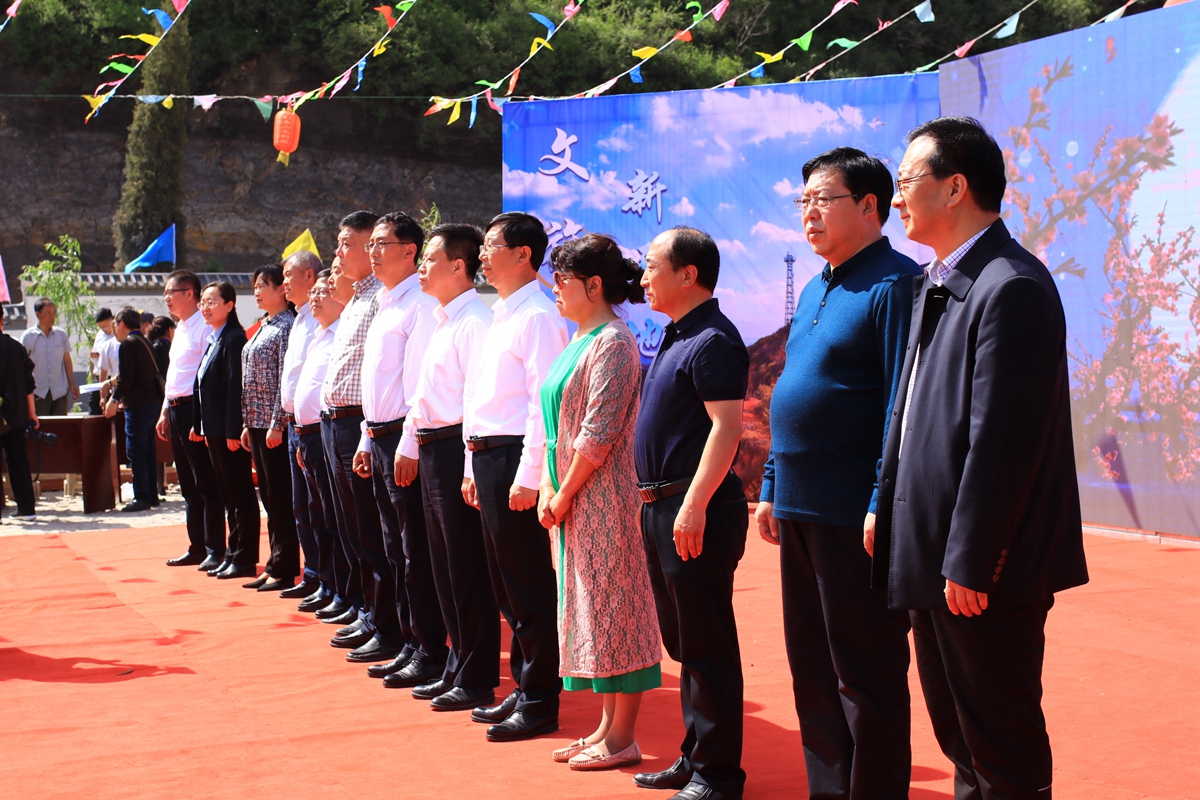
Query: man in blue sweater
x=829, y=418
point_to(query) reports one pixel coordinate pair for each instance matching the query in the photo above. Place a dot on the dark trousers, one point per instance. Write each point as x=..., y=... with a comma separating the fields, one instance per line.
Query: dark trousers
x=982, y=680
x=52, y=406
x=198, y=485
x=338, y=568
x=275, y=488
x=305, y=506
x=140, y=451
x=460, y=569
x=231, y=469
x=694, y=600
x=523, y=579
x=407, y=545
x=358, y=516
x=19, y=477
x=849, y=657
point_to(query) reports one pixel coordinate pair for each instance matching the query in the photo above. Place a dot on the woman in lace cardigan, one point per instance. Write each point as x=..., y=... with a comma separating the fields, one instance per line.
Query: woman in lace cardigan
x=607, y=629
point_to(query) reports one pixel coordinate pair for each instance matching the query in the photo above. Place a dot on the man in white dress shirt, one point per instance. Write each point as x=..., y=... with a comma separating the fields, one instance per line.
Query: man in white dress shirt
x=412, y=636
x=508, y=447
x=434, y=437
x=299, y=274
x=197, y=483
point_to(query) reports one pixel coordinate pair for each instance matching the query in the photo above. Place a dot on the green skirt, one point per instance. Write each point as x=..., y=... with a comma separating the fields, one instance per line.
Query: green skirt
x=640, y=680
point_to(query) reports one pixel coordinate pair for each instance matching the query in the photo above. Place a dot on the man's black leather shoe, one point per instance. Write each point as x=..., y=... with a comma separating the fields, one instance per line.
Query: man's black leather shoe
x=374, y=649
x=520, y=725
x=700, y=791
x=676, y=776
x=258, y=582
x=300, y=590
x=395, y=665
x=347, y=617
x=278, y=584
x=211, y=562
x=355, y=626
x=331, y=609
x=356, y=639
x=428, y=691
x=460, y=699
x=490, y=715
x=418, y=671
x=187, y=560
x=212, y=573
x=136, y=506
x=233, y=571
x=315, y=602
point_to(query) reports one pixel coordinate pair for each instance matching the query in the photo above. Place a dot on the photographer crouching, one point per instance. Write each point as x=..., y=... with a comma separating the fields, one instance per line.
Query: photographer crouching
x=18, y=418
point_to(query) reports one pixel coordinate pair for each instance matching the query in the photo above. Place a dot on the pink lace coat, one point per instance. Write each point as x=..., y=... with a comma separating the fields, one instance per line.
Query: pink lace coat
x=606, y=621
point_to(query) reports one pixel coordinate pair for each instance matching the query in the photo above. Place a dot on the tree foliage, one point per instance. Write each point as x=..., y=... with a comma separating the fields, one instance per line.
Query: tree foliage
x=59, y=279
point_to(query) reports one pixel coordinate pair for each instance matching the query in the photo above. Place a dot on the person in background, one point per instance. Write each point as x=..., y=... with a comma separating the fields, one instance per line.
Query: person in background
x=829, y=417
x=217, y=421
x=694, y=516
x=434, y=439
x=50, y=349
x=162, y=333
x=17, y=412
x=202, y=499
x=508, y=451
x=299, y=275
x=265, y=424
x=136, y=389
x=607, y=633
x=100, y=358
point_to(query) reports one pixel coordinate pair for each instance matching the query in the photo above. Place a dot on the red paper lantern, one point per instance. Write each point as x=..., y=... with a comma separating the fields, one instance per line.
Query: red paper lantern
x=287, y=134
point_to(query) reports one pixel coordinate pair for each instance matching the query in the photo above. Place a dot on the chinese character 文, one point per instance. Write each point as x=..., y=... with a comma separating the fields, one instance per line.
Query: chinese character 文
x=646, y=189
x=562, y=149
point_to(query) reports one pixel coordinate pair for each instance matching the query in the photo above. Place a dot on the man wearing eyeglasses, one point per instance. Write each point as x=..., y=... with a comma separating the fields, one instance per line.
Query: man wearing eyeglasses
x=829, y=417
x=197, y=483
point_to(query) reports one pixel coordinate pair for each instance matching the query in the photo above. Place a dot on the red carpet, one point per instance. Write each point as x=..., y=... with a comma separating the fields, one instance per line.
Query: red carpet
x=123, y=678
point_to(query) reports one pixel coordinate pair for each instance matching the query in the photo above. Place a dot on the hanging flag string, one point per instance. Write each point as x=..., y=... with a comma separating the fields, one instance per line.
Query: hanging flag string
x=923, y=11
x=10, y=14
x=97, y=100
x=1114, y=15
x=803, y=42
x=962, y=50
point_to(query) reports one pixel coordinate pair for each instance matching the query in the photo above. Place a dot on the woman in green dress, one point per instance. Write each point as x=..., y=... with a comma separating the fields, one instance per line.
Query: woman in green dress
x=608, y=631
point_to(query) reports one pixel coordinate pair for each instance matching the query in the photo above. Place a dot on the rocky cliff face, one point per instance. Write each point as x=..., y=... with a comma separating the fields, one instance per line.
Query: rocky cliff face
x=58, y=176
x=767, y=356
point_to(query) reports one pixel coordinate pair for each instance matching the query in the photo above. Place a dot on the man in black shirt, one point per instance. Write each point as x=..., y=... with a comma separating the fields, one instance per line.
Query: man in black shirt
x=138, y=389
x=16, y=413
x=695, y=517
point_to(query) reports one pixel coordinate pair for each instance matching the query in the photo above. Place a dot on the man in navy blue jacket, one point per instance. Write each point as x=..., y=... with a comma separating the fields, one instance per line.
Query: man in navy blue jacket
x=829, y=416
x=978, y=516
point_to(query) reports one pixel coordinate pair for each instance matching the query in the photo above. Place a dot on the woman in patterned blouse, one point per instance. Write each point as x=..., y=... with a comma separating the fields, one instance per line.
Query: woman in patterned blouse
x=265, y=421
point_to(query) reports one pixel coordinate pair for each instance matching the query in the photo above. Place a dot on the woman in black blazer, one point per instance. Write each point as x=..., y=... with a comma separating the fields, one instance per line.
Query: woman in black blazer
x=217, y=420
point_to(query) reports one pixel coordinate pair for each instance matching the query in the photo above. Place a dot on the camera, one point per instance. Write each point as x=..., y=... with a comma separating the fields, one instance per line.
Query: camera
x=48, y=439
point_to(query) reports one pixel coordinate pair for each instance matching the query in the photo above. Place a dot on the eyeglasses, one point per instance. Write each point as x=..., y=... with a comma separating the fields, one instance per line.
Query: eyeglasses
x=318, y=292
x=902, y=182
x=169, y=292
x=371, y=247
x=562, y=277
x=210, y=303
x=820, y=201
x=484, y=249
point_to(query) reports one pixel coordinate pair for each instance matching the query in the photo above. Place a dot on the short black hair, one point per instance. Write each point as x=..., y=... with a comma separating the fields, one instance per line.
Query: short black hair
x=41, y=303
x=862, y=174
x=694, y=246
x=523, y=230
x=359, y=221
x=271, y=273
x=130, y=317
x=405, y=229
x=962, y=146
x=186, y=280
x=160, y=328
x=461, y=240
x=325, y=273
x=103, y=314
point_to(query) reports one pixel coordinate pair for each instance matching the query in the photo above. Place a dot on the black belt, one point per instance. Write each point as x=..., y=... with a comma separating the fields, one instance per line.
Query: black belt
x=653, y=492
x=338, y=412
x=477, y=443
x=305, y=430
x=290, y=419
x=178, y=401
x=376, y=429
x=429, y=435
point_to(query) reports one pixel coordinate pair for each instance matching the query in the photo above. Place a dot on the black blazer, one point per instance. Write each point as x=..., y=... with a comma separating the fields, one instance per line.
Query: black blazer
x=218, y=389
x=16, y=383
x=988, y=495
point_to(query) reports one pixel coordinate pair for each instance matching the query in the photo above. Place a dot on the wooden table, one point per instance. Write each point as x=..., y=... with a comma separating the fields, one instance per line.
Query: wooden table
x=85, y=446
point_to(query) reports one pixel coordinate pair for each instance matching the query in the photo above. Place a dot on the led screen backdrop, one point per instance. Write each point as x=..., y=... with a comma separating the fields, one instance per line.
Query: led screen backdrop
x=1101, y=130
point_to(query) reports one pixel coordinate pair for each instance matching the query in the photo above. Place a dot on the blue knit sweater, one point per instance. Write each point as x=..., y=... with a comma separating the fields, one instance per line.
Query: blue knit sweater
x=830, y=408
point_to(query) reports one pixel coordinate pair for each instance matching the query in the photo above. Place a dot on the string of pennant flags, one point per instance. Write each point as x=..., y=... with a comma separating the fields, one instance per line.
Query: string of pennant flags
x=1003, y=30
x=923, y=12
x=97, y=100
x=10, y=14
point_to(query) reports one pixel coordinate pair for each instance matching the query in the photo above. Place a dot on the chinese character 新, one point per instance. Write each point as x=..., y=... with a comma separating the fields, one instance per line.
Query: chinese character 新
x=562, y=146
x=646, y=189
